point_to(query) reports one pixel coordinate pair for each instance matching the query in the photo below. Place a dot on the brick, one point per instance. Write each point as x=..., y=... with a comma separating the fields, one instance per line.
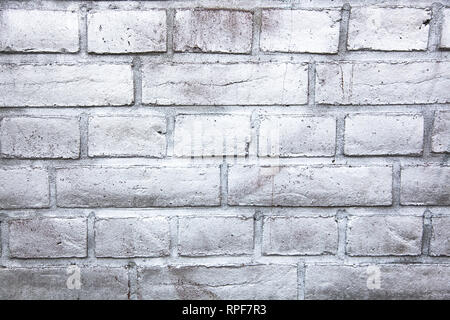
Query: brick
x=370, y=83
x=397, y=282
x=384, y=236
x=206, y=236
x=138, y=186
x=440, y=239
x=383, y=134
x=38, y=31
x=296, y=136
x=39, y=137
x=292, y=185
x=212, y=135
x=238, y=84
x=440, y=139
x=388, y=29
x=218, y=282
x=132, y=237
x=127, y=31
x=24, y=188
x=300, y=31
x=424, y=185
x=445, y=35
x=65, y=85
x=112, y=136
x=299, y=236
x=225, y=31
x=48, y=238
x=99, y=283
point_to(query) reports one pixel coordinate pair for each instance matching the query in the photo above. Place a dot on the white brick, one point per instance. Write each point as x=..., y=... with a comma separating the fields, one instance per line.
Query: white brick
x=441, y=132
x=388, y=29
x=299, y=236
x=120, y=136
x=212, y=135
x=296, y=136
x=300, y=31
x=65, y=85
x=440, y=239
x=261, y=282
x=97, y=283
x=207, y=236
x=372, y=83
x=445, y=33
x=238, y=83
x=226, y=31
x=383, y=134
x=132, y=237
x=401, y=281
x=38, y=31
x=24, y=188
x=425, y=185
x=384, y=236
x=127, y=31
x=40, y=137
x=292, y=185
x=48, y=238
x=138, y=186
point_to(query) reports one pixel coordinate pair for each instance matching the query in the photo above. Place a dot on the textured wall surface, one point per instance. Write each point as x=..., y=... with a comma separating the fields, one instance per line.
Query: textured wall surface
x=225, y=149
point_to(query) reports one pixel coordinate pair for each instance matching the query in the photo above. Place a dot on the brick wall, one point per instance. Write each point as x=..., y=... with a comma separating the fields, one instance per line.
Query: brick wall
x=224, y=149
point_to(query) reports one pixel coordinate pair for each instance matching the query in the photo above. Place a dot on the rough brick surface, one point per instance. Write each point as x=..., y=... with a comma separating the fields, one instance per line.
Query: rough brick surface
x=396, y=282
x=132, y=237
x=206, y=236
x=383, y=83
x=296, y=136
x=388, y=29
x=440, y=240
x=238, y=84
x=127, y=31
x=212, y=135
x=48, y=238
x=386, y=134
x=224, y=282
x=97, y=283
x=425, y=185
x=300, y=31
x=384, y=236
x=38, y=31
x=39, y=137
x=65, y=85
x=24, y=188
x=138, y=186
x=127, y=137
x=309, y=186
x=227, y=31
x=445, y=37
x=441, y=133
x=299, y=236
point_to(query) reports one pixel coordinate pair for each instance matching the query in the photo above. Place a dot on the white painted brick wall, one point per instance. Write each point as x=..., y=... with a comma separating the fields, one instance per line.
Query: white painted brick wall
x=225, y=149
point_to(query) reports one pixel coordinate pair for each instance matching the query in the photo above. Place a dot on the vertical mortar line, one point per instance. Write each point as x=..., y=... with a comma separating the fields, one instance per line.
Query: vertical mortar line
x=343, y=29
x=340, y=136
x=170, y=29
x=257, y=16
x=91, y=236
x=254, y=141
x=224, y=183
x=428, y=119
x=174, y=235
x=82, y=27
x=52, y=186
x=434, y=33
x=342, y=221
x=427, y=232
x=311, y=83
x=301, y=270
x=84, y=135
x=396, y=183
x=257, y=234
x=132, y=281
x=170, y=135
x=137, y=81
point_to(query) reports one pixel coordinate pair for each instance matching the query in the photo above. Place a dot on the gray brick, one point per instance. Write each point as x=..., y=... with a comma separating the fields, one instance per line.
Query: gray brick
x=440, y=240
x=440, y=139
